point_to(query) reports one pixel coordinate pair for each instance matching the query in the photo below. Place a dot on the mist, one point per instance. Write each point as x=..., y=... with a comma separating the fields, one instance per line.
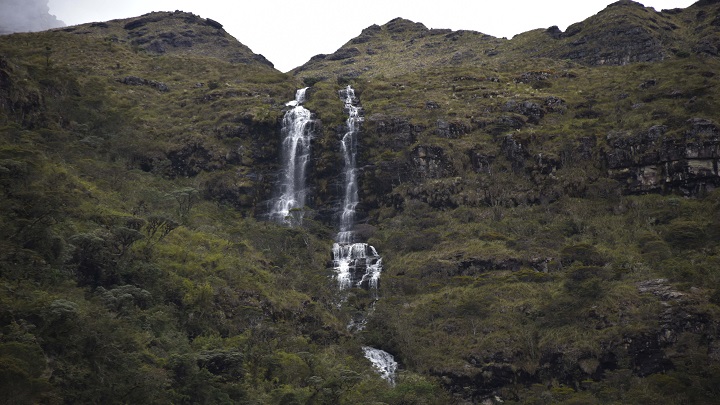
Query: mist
x=26, y=16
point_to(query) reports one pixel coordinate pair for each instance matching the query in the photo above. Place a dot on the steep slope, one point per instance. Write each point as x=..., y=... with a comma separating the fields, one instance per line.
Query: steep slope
x=520, y=192
x=131, y=266
x=624, y=32
x=176, y=32
x=397, y=47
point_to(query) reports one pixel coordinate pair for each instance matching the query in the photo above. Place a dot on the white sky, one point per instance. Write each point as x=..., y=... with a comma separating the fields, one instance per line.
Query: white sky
x=290, y=32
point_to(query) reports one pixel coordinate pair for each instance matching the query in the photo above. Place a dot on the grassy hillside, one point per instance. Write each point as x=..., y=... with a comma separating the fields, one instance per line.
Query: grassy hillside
x=548, y=223
x=133, y=269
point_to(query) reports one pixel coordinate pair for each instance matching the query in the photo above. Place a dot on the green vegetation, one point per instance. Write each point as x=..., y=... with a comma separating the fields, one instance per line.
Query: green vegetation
x=548, y=225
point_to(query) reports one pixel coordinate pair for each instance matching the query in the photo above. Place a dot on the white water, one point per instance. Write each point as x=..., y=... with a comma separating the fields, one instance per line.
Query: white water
x=349, y=149
x=356, y=264
x=295, y=154
x=383, y=362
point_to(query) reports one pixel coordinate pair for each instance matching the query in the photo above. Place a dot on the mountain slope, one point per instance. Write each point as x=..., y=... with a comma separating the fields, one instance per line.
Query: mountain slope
x=624, y=32
x=131, y=267
x=176, y=32
x=516, y=189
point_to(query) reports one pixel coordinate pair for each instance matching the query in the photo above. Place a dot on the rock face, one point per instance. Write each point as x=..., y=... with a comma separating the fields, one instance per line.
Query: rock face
x=657, y=161
x=26, y=16
x=625, y=32
x=627, y=40
x=173, y=33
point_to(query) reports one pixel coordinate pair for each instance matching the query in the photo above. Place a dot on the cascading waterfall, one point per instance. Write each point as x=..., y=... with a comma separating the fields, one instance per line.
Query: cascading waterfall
x=383, y=362
x=349, y=149
x=357, y=264
x=295, y=155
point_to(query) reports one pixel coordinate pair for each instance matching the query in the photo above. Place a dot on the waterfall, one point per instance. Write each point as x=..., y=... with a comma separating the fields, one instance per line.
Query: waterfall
x=295, y=154
x=383, y=362
x=349, y=149
x=357, y=264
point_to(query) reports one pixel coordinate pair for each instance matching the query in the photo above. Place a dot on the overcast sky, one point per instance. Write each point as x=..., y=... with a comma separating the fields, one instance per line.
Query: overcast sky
x=290, y=32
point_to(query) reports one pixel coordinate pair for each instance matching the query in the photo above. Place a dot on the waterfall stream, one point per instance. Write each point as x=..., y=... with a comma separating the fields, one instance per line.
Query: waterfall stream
x=357, y=264
x=383, y=362
x=349, y=149
x=295, y=155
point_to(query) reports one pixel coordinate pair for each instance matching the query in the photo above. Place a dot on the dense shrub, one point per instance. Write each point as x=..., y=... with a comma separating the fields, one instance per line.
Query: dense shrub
x=684, y=234
x=583, y=253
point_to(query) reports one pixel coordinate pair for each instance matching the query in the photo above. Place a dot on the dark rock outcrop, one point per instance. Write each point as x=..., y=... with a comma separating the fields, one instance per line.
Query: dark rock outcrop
x=175, y=32
x=533, y=111
x=451, y=130
x=656, y=160
x=627, y=39
x=429, y=162
x=394, y=133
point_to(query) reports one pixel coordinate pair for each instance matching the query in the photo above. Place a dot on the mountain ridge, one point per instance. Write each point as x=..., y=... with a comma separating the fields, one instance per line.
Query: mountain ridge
x=634, y=37
x=171, y=32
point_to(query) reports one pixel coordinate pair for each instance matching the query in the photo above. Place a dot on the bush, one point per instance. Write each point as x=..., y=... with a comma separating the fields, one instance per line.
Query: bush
x=583, y=253
x=586, y=283
x=684, y=234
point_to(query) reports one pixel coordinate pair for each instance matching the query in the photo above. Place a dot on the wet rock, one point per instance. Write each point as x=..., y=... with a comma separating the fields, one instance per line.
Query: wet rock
x=647, y=356
x=554, y=32
x=439, y=194
x=533, y=77
x=503, y=124
x=474, y=266
x=214, y=23
x=401, y=25
x=367, y=34
x=648, y=83
x=140, y=22
x=479, y=382
x=709, y=45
